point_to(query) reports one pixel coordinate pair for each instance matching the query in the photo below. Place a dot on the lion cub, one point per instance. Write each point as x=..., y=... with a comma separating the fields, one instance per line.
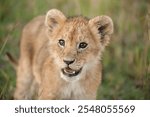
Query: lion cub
x=60, y=56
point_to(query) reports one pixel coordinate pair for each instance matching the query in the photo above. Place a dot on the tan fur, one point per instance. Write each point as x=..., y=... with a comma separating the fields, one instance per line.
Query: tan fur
x=39, y=71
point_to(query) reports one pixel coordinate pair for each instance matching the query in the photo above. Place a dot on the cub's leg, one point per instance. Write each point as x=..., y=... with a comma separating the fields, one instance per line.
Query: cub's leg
x=25, y=84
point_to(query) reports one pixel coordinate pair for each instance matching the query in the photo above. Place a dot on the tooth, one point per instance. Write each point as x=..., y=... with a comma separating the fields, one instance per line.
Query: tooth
x=65, y=70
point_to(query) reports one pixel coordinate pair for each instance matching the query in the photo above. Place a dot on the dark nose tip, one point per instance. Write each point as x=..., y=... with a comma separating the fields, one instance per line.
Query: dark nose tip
x=68, y=62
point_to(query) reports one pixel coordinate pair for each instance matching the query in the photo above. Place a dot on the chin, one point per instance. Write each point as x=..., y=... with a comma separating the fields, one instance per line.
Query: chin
x=70, y=75
x=70, y=79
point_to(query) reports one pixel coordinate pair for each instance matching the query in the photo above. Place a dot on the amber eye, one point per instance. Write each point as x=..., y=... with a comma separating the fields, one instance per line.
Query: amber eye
x=61, y=42
x=82, y=45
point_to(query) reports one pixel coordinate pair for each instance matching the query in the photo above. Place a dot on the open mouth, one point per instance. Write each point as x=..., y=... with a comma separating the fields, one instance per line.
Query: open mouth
x=70, y=72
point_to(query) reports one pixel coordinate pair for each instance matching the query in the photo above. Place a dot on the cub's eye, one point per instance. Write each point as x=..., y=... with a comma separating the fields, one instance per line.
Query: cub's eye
x=61, y=42
x=82, y=45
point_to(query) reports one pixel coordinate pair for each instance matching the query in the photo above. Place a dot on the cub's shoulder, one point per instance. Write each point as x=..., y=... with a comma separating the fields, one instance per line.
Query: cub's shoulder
x=34, y=25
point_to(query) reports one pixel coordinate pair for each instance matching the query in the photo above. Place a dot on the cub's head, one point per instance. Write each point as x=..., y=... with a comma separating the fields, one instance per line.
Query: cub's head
x=76, y=43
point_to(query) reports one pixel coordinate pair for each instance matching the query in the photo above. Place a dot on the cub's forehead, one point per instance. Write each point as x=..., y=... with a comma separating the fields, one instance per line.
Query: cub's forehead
x=79, y=20
x=76, y=23
x=75, y=26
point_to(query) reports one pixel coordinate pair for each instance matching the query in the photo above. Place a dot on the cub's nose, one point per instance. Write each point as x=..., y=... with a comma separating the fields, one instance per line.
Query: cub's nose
x=68, y=62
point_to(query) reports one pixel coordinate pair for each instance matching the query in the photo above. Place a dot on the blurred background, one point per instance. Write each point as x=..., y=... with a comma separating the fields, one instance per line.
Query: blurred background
x=126, y=61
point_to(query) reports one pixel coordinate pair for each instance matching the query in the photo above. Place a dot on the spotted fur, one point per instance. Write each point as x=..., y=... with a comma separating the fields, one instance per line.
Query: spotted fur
x=41, y=62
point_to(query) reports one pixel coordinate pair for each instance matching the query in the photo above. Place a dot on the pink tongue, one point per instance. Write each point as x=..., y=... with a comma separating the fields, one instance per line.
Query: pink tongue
x=68, y=70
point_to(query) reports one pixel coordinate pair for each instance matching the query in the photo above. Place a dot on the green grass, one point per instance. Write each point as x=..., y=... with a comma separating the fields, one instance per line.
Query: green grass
x=126, y=61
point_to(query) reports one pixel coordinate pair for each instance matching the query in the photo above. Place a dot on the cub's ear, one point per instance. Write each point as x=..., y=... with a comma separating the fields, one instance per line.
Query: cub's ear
x=102, y=28
x=54, y=19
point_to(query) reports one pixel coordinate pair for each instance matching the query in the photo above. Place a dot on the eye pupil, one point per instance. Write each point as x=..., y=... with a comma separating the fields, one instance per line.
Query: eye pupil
x=61, y=42
x=83, y=45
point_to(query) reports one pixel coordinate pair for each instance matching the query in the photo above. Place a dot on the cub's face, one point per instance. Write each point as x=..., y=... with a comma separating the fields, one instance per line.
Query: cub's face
x=74, y=48
x=76, y=43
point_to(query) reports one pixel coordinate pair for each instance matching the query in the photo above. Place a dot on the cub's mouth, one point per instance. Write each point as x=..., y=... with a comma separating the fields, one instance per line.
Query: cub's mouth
x=70, y=72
